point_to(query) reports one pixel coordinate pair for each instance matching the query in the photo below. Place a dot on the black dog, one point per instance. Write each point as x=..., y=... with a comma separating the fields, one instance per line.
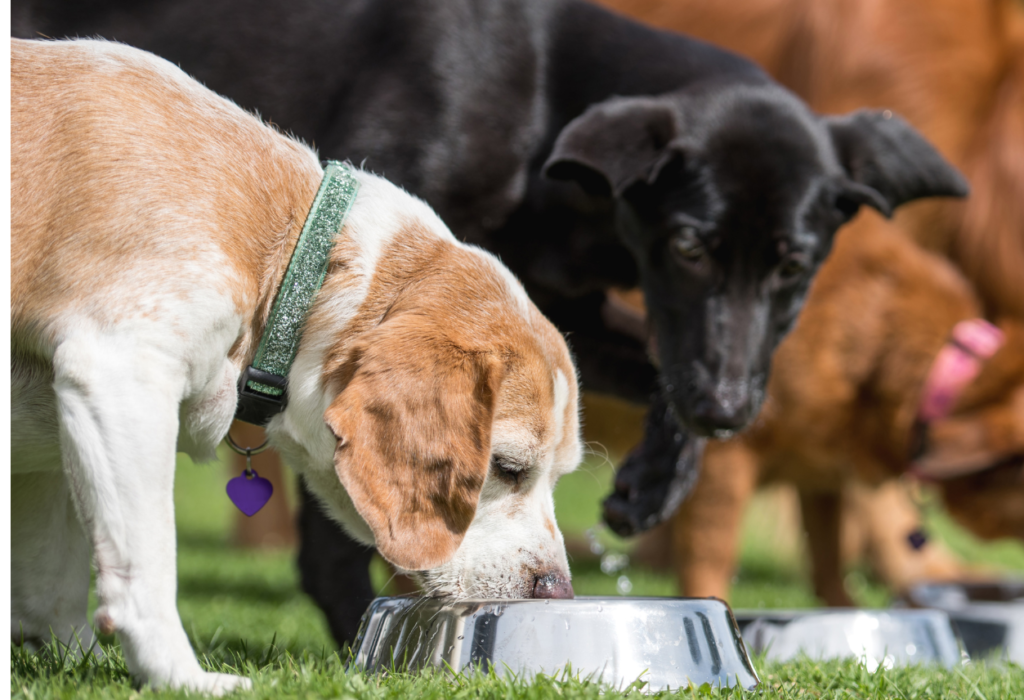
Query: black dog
x=585, y=149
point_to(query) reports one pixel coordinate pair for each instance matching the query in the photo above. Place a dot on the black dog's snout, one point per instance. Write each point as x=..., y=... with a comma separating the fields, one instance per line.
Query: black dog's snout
x=712, y=418
x=616, y=513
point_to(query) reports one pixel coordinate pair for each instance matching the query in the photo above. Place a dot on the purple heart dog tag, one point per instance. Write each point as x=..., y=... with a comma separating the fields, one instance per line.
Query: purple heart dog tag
x=250, y=492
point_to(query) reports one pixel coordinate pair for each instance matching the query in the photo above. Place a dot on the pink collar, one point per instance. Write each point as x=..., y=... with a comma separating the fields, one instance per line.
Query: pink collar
x=958, y=363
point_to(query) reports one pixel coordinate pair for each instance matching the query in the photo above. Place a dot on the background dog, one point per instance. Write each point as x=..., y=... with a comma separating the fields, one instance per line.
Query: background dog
x=843, y=398
x=589, y=152
x=956, y=69
x=431, y=407
x=953, y=68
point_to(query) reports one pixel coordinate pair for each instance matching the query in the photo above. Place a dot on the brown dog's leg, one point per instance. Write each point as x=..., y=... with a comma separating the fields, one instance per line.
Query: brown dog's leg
x=273, y=526
x=822, y=513
x=706, y=530
x=888, y=516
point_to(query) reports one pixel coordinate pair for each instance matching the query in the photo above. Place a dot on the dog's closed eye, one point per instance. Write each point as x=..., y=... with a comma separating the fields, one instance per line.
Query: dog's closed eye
x=509, y=472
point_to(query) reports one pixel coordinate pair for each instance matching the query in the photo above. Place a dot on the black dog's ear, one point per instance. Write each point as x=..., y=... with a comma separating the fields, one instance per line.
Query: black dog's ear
x=882, y=152
x=613, y=145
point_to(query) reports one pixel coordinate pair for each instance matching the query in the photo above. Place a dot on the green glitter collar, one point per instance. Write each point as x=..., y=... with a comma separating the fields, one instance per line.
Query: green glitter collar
x=262, y=391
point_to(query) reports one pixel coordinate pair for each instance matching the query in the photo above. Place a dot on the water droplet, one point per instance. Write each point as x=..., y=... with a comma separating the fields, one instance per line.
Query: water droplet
x=613, y=562
x=624, y=585
x=460, y=636
x=566, y=623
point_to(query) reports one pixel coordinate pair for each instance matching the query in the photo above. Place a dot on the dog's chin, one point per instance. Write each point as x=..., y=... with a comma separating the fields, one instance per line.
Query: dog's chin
x=439, y=584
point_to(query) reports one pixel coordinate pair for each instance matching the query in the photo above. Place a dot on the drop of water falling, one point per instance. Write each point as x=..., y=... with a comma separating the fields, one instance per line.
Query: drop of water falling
x=624, y=585
x=567, y=624
x=612, y=562
x=460, y=636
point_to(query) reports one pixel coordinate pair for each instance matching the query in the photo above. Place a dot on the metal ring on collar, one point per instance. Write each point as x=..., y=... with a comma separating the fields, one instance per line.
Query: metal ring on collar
x=247, y=451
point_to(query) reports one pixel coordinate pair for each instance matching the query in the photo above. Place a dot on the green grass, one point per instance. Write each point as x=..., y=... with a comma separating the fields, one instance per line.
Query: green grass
x=244, y=613
x=279, y=674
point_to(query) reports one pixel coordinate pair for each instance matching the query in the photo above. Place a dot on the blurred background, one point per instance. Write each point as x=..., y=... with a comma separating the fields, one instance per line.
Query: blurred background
x=955, y=70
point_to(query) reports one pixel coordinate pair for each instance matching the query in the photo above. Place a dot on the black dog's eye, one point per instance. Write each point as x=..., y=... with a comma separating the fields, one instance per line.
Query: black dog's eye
x=687, y=245
x=512, y=474
x=792, y=267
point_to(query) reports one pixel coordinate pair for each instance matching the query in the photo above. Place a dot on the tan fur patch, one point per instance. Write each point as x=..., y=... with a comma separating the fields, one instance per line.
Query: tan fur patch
x=186, y=184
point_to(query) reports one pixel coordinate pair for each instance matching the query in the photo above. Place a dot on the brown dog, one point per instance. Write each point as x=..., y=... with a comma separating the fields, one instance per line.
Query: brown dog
x=843, y=399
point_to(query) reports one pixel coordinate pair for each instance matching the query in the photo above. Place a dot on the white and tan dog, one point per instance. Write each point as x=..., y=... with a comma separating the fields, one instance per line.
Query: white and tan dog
x=431, y=406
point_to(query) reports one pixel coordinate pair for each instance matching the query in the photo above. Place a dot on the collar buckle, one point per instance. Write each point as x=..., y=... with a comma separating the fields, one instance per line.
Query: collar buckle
x=261, y=396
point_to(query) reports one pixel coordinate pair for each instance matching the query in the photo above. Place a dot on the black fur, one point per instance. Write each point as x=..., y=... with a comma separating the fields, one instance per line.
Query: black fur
x=585, y=149
x=656, y=476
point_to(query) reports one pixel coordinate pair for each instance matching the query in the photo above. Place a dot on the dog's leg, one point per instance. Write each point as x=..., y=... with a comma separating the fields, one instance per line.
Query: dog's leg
x=889, y=516
x=706, y=530
x=118, y=418
x=49, y=564
x=822, y=516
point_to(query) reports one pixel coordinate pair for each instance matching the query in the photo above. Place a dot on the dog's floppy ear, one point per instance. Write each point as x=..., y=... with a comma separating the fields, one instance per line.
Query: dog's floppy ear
x=613, y=145
x=885, y=156
x=413, y=426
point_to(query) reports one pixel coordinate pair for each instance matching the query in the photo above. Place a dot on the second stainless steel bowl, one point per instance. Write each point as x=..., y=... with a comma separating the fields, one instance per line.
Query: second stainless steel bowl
x=876, y=637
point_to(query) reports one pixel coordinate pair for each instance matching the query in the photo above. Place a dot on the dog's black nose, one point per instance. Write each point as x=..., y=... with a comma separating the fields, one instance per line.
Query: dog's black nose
x=616, y=513
x=553, y=584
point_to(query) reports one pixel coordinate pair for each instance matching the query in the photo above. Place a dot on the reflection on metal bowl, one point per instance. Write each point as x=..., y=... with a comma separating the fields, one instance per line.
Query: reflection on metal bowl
x=876, y=637
x=666, y=642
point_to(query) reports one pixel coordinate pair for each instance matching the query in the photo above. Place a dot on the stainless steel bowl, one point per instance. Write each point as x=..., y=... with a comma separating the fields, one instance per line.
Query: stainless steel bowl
x=667, y=642
x=989, y=616
x=876, y=637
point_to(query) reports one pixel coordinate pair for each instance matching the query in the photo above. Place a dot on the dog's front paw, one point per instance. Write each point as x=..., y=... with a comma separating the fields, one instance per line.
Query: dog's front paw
x=217, y=684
